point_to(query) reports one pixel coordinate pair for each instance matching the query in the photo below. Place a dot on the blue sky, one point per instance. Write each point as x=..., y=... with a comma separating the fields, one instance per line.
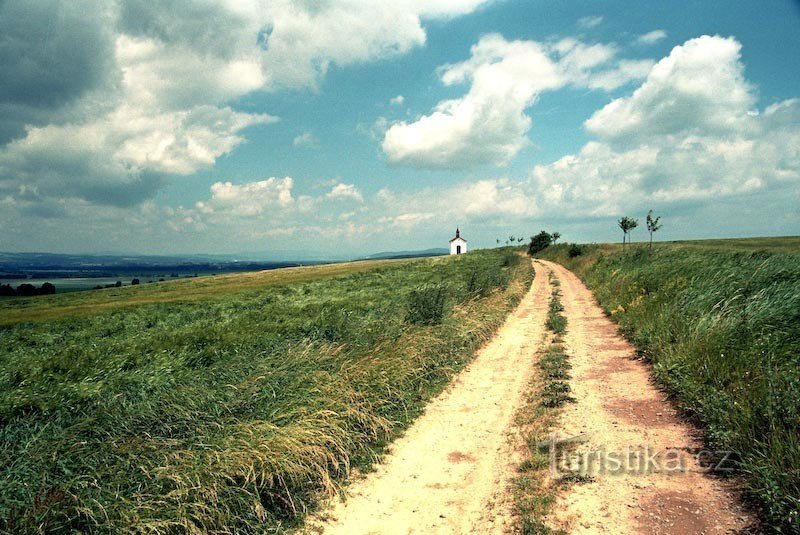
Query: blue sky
x=346, y=128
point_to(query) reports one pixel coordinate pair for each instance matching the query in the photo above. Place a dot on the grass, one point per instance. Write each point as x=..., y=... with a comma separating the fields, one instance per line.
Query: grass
x=88, y=303
x=534, y=492
x=228, y=404
x=720, y=322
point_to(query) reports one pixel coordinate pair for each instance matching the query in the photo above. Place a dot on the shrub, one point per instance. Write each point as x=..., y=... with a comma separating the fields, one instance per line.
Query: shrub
x=26, y=290
x=540, y=242
x=574, y=250
x=47, y=289
x=482, y=282
x=426, y=304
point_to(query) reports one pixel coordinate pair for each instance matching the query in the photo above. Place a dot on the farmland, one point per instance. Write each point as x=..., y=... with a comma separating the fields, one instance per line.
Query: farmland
x=229, y=403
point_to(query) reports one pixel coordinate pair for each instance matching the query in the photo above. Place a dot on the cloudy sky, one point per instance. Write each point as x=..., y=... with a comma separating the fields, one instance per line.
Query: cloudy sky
x=345, y=127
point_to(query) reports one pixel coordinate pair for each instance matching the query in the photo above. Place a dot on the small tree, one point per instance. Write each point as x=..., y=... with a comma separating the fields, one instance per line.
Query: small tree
x=556, y=236
x=134, y=282
x=652, y=226
x=626, y=224
x=47, y=289
x=539, y=242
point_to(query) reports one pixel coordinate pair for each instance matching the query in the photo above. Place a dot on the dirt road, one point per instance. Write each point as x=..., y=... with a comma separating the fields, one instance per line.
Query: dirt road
x=450, y=472
x=619, y=410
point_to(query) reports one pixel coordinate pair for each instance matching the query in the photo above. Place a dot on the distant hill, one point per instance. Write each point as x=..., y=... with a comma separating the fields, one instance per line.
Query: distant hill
x=72, y=265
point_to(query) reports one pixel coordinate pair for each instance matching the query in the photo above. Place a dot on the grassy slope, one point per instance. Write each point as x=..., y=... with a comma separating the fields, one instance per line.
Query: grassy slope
x=53, y=307
x=226, y=404
x=720, y=321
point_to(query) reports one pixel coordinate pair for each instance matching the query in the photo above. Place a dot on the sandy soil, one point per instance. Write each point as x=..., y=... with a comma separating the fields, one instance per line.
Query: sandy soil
x=450, y=471
x=619, y=410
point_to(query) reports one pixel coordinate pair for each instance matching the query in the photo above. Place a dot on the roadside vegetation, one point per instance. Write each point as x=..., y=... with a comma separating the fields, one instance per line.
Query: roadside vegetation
x=720, y=322
x=535, y=492
x=229, y=404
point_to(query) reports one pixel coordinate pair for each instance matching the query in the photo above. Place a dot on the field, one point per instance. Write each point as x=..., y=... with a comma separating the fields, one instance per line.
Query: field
x=229, y=403
x=720, y=322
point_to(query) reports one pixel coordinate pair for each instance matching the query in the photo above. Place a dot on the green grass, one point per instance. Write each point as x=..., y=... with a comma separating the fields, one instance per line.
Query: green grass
x=534, y=492
x=720, y=322
x=228, y=404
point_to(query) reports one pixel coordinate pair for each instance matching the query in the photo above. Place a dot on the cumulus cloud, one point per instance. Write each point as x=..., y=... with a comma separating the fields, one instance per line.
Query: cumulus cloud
x=650, y=38
x=699, y=87
x=688, y=134
x=489, y=124
x=398, y=100
x=345, y=191
x=105, y=101
x=250, y=198
x=122, y=157
x=719, y=147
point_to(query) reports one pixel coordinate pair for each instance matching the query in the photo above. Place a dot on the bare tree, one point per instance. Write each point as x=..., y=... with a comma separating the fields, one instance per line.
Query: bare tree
x=652, y=226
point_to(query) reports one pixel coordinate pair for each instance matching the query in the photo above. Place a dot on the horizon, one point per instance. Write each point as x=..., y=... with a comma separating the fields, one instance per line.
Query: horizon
x=244, y=129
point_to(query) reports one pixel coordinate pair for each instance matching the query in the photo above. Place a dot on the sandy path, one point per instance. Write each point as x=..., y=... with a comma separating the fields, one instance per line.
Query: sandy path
x=450, y=471
x=618, y=409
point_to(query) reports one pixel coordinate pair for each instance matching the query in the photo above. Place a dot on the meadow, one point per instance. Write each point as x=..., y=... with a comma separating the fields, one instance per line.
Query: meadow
x=232, y=403
x=720, y=322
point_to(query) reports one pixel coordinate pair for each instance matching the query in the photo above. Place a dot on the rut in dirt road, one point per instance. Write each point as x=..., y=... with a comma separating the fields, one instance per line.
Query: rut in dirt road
x=618, y=410
x=449, y=472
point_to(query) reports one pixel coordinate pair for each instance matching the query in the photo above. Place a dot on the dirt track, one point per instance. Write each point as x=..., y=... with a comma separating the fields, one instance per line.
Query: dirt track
x=450, y=472
x=619, y=409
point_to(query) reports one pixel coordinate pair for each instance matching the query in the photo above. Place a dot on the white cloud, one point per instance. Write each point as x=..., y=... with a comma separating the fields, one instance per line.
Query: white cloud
x=489, y=124
x=398, y=100
x=155, y=81
x=345, y=191
x=301, y=41
x=249, y=199
x=590, y=22
x=699, y=87
x=306, y=139
x=120, y=157
x=407, y=220
x=721, y=148
x=650, y=38
x=687, y=134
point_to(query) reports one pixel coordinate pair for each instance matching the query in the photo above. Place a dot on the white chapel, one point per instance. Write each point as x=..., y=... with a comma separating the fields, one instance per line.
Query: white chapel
x=458, y=245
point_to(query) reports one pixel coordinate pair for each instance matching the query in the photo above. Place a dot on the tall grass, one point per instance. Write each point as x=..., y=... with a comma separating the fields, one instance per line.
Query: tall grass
x=721, y=326
x=227, y=414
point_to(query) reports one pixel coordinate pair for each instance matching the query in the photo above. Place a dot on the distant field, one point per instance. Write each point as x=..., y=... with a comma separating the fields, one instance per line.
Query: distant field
x=783, y=243
x=228, y=404
x=48, y=308
x=720, y=321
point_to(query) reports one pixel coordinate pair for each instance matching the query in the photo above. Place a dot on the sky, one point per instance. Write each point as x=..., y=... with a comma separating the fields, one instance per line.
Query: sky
x=339, y=128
